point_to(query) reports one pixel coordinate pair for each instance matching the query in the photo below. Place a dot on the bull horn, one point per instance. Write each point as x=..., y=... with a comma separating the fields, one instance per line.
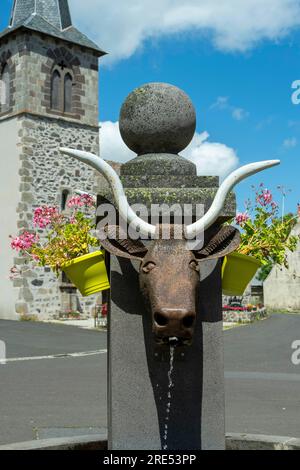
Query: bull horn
x=192, y=230
x=113, y=179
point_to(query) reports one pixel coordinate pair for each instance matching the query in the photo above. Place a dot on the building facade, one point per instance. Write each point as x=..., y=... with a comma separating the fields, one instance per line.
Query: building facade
x=48, y=99
x=282, y=286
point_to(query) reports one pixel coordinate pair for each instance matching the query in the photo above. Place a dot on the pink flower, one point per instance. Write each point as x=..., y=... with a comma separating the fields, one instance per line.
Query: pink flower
x=75, y=201
x=264, y=198
x=241, y=218
x=43, y=216
x=88, y=200
x=81, y=201
x=24, y=242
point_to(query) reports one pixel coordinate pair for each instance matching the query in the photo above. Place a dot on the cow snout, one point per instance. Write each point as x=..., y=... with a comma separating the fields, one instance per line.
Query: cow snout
x=172, y=324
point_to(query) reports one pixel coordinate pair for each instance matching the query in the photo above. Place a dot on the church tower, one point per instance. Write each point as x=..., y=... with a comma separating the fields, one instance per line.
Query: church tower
x=48, y=99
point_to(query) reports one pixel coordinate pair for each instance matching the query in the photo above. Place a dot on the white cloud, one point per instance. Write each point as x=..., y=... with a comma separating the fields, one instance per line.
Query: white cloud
x=239, y=114
x=222, y=103
x=121, y=27
x=290, y=143
x=112, y=146
x=211, y=158
x=266, y=123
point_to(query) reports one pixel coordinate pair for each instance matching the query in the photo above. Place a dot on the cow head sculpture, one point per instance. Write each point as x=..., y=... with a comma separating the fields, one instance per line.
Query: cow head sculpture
x=170, y=269
x=169, y=277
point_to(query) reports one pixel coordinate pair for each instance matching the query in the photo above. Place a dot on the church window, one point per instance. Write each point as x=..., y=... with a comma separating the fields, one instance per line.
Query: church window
x=64, y=198
x=68, y=93
x=56, y=90
x=61, y=89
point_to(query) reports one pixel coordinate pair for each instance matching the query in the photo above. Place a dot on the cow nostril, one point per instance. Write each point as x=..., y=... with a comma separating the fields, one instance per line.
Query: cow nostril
x=188, y=321
x=160, y=319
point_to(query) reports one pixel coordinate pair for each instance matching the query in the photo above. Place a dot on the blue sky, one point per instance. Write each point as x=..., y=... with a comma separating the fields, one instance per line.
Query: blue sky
x=242, y=97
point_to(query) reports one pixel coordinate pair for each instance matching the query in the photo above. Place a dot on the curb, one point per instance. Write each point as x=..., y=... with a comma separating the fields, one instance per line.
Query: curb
x=96, y=442
x=99, y=442
x=260, y=442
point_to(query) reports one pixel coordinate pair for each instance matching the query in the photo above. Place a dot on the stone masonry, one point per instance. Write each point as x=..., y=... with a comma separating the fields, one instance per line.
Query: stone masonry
x=31, y=58
x=43, y=171
x=32, y=170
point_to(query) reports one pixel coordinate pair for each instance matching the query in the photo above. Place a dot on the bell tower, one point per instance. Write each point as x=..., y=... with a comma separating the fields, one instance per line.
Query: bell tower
x=48, y=99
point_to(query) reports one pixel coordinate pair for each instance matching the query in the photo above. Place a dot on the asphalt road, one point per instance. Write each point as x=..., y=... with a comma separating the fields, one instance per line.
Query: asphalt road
x=262, y=384
x=56, y=396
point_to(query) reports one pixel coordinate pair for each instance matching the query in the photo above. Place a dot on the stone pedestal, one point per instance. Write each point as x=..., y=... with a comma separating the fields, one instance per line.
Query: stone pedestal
x=138, y=372
x=137, y=368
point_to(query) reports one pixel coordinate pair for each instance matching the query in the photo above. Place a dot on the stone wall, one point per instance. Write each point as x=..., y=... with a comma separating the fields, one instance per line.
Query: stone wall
x=41, y=173
x=282, y=287
x=44, y=174
x=231, y=316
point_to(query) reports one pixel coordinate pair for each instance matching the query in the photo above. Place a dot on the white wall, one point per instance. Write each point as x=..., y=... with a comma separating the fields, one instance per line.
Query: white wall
x=9, y=199
x=282, y=287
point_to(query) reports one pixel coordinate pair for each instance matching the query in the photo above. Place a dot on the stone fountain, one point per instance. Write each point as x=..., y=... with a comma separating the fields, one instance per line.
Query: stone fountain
x=165, y=330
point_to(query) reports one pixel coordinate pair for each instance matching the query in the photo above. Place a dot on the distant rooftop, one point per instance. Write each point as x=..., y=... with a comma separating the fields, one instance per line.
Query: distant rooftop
x=51, y=17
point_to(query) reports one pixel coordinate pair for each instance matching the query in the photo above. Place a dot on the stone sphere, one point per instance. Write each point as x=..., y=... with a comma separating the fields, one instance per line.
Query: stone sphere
x=157, y=118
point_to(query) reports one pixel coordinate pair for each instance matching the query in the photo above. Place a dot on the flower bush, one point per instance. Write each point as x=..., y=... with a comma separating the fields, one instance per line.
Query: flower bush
x=229, y=308
x=57, y=237
x=265, y=235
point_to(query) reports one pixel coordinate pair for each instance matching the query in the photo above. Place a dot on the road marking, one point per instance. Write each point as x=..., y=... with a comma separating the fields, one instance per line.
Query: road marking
x=57, y=356
x=277, y=376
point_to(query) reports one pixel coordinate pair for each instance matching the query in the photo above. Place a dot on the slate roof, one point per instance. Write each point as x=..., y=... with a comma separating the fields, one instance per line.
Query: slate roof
x=56, y=12
x=51, y=17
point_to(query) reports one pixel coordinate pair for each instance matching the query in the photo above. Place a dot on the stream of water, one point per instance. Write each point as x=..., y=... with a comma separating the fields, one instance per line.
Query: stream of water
x=169, y=400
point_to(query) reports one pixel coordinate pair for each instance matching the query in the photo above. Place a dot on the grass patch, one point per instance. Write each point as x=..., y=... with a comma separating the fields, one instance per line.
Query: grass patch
x=235, y=325
x=272, y=311
x=28, y=317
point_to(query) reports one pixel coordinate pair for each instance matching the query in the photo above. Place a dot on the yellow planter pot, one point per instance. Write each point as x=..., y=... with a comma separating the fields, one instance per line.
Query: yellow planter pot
x=88, y=273
x=237, y=272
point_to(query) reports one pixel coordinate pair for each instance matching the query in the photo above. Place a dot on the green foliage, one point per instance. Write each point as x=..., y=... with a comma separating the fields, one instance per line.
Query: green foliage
x=267, y=240
x=66, y=241
x=265, y=236
x=264, y=272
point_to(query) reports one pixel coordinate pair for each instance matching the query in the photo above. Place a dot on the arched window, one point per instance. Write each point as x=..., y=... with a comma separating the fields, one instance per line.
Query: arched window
x=61, y=89
x=68, y=93
x=56, y=91
x=64, y=198
x=4, y=87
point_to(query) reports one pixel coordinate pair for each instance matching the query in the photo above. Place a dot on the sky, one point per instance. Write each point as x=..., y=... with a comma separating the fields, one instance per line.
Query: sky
x=237, y=60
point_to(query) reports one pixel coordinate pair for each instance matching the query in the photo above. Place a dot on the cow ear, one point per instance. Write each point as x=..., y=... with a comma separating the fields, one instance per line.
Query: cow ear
x=117, y=243
x=224, y=242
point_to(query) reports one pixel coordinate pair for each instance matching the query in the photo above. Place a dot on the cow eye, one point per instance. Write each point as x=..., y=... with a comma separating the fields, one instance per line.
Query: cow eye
x=148, y=267
x=194, y=265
